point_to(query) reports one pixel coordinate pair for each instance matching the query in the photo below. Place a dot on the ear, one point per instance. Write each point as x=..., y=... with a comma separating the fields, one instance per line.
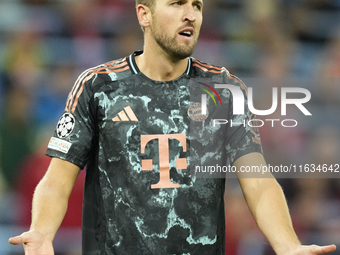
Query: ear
x=143, y=15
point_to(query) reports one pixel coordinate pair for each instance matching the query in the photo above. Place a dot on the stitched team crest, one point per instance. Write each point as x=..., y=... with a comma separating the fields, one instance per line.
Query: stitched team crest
x=195, y=113
x=65, y=125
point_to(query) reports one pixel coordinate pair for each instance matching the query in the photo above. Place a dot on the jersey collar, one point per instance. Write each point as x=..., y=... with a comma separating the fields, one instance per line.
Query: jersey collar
x=135, y=69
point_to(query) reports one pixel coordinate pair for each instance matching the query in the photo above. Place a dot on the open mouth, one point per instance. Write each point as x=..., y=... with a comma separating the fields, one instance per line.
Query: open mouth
x=186, y=33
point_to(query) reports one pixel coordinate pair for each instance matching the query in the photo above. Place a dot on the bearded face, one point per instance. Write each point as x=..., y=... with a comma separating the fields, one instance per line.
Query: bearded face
x=175, y=28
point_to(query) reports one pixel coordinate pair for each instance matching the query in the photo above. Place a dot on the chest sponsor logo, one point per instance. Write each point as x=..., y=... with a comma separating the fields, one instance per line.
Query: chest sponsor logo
x=164, y=161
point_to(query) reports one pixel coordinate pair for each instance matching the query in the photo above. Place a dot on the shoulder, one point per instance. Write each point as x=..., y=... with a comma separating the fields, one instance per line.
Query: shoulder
x=97, y=76
x=109, y=71
x=94, y=78
x=208, y=68
x=217, y=73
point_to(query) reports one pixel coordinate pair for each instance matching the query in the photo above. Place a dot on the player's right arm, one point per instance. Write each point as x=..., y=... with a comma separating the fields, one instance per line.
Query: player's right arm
x=49, y=206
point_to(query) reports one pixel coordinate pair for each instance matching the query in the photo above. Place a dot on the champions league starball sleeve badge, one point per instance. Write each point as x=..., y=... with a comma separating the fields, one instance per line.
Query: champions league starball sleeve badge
x=65, y=125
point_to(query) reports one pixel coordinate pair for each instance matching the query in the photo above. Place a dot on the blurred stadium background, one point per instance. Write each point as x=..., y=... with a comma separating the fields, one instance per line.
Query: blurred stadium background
x=45, y=45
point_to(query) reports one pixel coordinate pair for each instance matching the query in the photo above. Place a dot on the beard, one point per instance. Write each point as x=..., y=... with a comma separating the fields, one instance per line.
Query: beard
x=170, y=44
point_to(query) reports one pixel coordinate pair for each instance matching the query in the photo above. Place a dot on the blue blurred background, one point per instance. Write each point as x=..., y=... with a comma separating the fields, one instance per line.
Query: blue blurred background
x=45, y=45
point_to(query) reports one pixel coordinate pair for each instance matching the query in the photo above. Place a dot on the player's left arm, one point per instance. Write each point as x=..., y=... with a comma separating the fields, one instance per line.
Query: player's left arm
x=268, y=206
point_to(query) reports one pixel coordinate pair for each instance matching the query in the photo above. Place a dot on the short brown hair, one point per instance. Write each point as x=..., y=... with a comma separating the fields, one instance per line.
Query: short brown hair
x=148, y=3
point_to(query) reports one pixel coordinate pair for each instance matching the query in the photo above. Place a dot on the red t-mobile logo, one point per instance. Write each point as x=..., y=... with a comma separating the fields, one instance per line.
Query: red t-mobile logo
x=164, y=161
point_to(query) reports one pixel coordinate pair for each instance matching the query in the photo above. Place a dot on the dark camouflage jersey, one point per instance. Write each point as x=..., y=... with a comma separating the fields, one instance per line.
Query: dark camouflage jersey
x=133, y=136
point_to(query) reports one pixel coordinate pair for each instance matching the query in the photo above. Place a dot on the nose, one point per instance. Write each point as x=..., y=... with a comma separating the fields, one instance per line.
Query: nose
x=189, y=14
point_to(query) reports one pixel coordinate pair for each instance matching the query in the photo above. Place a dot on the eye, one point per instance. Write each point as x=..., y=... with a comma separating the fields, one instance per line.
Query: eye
x=198, y=6
x=178, y=3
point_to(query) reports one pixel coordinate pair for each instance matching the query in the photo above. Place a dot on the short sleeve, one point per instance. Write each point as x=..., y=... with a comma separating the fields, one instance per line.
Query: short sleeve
x=74, y=133
x=242, y=136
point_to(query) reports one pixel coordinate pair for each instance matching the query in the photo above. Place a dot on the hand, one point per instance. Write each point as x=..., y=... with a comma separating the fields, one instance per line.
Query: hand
x=34, y=243
x=311, y=250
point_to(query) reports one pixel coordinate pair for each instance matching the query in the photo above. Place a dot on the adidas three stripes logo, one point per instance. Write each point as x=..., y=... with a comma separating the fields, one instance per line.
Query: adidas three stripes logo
x=126, y=115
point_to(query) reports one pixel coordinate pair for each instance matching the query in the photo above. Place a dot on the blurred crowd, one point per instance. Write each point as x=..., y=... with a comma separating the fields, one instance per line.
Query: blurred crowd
x=45, y=45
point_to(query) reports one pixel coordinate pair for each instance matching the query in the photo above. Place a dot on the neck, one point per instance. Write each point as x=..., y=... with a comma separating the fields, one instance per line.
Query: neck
x=159, y=66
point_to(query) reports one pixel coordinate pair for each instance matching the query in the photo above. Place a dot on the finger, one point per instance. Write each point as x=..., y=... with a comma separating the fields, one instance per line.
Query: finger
x=325, y=249
x=15, y=240
x=23, y=238
x=328, y=249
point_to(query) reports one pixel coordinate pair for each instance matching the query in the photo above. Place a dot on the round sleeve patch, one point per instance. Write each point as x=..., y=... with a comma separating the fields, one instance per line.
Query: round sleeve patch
x=65, y=125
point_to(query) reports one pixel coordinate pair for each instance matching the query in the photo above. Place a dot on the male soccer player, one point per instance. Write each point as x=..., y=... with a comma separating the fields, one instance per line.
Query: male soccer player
x=128, y=122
